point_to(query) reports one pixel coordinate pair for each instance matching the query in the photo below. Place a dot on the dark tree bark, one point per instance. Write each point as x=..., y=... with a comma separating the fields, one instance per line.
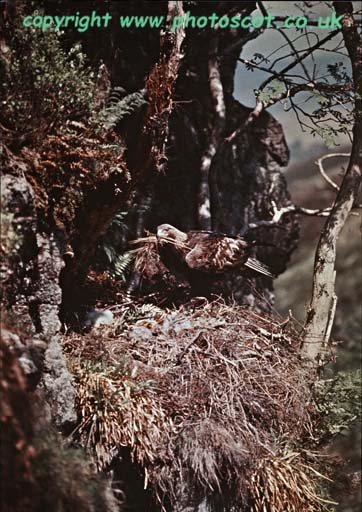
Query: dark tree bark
x=183, y=166
x=211, y=182
x=205, y=180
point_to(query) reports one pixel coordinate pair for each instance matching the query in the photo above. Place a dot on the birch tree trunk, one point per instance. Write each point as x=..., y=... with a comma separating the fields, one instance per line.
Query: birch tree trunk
x=323, y=302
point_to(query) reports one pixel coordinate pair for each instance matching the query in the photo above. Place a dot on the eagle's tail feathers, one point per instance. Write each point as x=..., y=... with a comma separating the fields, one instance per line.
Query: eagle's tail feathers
x=259, y=267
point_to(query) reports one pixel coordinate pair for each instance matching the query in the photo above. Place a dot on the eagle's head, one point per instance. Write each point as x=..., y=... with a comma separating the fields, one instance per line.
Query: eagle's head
x=169, y=234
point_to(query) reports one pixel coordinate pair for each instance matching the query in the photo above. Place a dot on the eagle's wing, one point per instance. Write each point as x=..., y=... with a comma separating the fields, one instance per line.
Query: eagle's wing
x=259, y=267
x=217, y=254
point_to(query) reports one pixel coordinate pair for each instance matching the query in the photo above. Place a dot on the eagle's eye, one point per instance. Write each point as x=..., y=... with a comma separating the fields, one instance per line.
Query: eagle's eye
x=169, y=234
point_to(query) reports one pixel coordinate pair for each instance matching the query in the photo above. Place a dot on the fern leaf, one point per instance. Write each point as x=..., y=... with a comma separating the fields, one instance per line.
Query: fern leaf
x=120, y=107
x=121, y=265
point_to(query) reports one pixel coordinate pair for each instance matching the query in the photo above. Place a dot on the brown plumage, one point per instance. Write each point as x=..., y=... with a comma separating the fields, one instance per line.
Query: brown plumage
x=208, y=252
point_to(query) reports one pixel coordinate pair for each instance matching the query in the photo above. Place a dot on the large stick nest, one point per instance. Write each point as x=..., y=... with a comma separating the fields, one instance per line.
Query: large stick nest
x=211, y=401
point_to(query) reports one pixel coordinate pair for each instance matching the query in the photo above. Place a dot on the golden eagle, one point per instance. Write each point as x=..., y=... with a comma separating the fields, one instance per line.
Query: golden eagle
x=207, y=252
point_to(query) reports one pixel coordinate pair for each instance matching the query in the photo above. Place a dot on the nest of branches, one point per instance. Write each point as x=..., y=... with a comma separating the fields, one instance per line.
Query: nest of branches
x=211, y=401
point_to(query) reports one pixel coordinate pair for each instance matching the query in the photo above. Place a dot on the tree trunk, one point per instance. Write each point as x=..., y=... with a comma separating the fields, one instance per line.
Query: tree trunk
x=323, y=302
x=209, y=182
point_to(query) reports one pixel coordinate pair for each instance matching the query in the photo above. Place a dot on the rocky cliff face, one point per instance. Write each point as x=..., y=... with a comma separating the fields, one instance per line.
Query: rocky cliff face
x=37, y=471
x=32, y=297
x=37, y=393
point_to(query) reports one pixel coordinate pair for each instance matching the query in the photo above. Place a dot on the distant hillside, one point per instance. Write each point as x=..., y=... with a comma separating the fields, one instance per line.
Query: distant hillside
x=309, y=189
x=293, y=288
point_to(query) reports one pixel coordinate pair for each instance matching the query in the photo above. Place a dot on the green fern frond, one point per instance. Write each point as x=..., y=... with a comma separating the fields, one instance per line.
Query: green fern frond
x=149, y=310
x=142, y=312
x=111, y=247
x=117, y=94
x=110, y=252
x=120, y=107
x=118, y=221
x=121, y=265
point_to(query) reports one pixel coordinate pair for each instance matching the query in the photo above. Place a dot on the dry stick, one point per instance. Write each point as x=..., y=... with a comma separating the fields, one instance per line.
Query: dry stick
x=180, y=356
x=323, y=301
x=145, y=203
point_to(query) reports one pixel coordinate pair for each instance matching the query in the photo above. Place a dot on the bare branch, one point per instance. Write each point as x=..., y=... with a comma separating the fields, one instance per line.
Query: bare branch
x=276, y=74
x=289, y=92
x=278, y=214
x=263, y=105
x=309, y=85
x=286, y=37
x=320, y=161
x=332, y=314
x=241, y=42
x=301, y=57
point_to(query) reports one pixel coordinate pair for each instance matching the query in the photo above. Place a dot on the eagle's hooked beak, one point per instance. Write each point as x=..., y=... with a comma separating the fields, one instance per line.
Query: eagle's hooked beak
x=162, y=234
x=169, y=234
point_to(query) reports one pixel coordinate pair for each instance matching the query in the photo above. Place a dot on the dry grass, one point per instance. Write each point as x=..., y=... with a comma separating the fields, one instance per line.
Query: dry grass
x=286, y=482
x=209, y=400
